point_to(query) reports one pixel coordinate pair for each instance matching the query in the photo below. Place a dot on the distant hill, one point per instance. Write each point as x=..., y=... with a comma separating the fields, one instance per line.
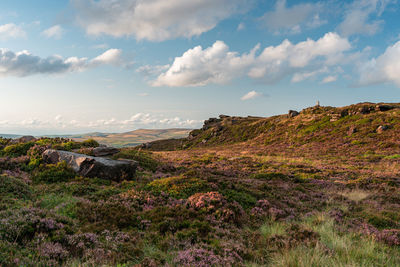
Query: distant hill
x=133, y=138
x=355, y=129
x=10, y=135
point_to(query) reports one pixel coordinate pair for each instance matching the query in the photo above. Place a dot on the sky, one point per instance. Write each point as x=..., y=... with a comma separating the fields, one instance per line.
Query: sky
x=76, y=66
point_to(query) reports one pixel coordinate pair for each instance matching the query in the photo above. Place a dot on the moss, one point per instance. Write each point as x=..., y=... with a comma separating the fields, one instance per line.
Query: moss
x=178, y=187
x=270, y=176
x=17, y=150
x=145, y=159
x=53, y=173
x=90, y=143
x=245, y=199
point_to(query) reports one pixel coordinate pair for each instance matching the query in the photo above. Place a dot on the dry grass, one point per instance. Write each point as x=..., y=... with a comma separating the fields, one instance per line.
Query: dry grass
x=356, y=195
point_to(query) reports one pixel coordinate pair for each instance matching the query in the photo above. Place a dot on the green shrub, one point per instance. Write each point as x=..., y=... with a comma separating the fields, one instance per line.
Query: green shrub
x=62, y=204
x=270, y=176
x=244, y=199
x=53, y=173
x=68, y=146
x=17, y=150
x=144, y=159
x=90, y=143
x=15, y=187
x=178, y=187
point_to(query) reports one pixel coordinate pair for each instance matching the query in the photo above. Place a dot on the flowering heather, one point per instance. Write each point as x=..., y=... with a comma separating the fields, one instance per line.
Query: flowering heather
x=206, y=258
x=308, y=190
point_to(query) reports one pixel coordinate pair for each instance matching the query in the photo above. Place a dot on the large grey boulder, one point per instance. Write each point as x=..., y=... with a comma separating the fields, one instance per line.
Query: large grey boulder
x=88, y=166
x=105, y=151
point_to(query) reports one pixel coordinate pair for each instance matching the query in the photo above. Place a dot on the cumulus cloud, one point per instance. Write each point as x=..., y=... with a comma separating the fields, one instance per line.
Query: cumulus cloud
x=329, y=79
x=251, y=95
x=362, y=17
x=383, y=69
x=154, y=20
x=217, y=64
x=136, y=121
x=55, y=32
x=301, y=76
x=24, y=63
x=241, y=26
x=291, y=19
x=11, y=31
x=198, y=67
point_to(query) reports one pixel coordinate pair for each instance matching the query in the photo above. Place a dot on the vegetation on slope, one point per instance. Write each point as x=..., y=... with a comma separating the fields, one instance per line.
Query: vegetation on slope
x=279, y=191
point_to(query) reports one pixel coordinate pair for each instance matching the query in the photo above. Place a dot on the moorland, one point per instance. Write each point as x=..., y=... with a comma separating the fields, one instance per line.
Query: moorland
x=319, y=187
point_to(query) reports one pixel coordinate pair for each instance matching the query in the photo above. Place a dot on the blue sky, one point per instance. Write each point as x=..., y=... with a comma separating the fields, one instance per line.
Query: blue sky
x=73, y=66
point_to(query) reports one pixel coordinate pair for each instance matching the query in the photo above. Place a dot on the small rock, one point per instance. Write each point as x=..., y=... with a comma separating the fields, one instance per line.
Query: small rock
x=365, y=110
x=352, y=130
x=382, y=128
x=25, y=139
x=223, y=116
x=384, y=107
x=105, y=151
x=293, y=113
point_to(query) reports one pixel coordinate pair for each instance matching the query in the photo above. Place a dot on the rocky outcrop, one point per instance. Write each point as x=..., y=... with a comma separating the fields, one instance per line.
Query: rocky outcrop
x=104, y=151
x=26, y=139
x=88, y=166
x=293, y=113
x=383, y=107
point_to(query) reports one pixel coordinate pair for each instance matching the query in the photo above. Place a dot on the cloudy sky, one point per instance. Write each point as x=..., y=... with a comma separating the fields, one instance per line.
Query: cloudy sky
x=73, y=66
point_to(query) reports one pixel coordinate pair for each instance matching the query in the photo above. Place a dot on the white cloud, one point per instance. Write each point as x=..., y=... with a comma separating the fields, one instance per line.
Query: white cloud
x=154, y=20
x=55, y=32
x=143, y=94
x=24, y=63
x=291, y=19
x=383, y=69
x=362, y=17
x=11, y=31
x=301, y=76
x=329, y=79
x=148, y=70
x=241, y=26
x=251, y=95
x=136, y=121
x=216, y=64
x=100, y=46
x=110, y=57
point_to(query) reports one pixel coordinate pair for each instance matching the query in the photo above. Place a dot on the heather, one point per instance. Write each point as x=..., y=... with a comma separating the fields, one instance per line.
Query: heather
x=317, y=189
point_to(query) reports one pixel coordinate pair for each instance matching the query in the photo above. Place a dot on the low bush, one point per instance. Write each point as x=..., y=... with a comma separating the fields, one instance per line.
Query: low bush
x=178, y=187
x=53, y=173
x=17, y=150
x=90, y=143
x=144, y=159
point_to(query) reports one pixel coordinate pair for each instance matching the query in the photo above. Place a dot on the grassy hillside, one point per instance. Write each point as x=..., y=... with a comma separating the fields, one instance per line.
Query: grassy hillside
x=133, y=138
x=318, y=189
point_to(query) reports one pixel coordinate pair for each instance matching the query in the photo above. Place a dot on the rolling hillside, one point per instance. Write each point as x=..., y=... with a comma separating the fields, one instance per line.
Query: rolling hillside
x=133, y=138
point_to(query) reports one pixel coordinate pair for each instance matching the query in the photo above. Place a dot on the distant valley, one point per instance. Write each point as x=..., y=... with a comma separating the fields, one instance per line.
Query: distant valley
x=127, y=139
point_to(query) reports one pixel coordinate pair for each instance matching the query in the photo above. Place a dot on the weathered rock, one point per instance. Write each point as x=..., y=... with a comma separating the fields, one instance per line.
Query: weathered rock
x=380, y=107
x=365, y=109
x=145, y=145
x=352, y=130
x=88, y=166
x=223, y=116
x=382, y=128
x=292, y=113
x=25, y=139
x=105, y=151
x=210, y=122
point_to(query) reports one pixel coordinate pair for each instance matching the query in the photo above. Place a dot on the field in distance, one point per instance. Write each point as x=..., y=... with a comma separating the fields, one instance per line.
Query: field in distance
x=133, y=138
